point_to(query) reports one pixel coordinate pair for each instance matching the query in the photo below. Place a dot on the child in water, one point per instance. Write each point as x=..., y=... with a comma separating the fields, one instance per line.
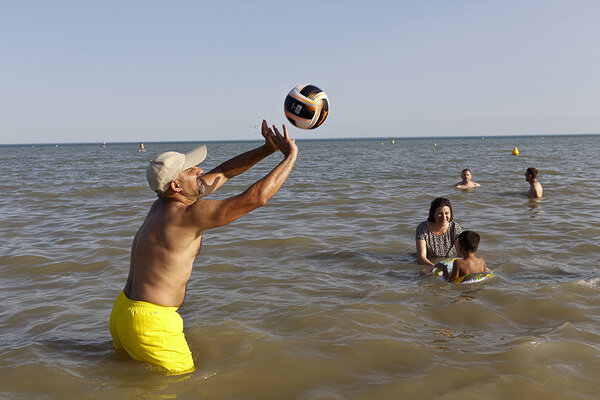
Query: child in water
x=466, y=246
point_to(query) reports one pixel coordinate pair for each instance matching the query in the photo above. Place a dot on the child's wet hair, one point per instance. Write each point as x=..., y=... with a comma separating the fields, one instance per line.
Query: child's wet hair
x=469, y=241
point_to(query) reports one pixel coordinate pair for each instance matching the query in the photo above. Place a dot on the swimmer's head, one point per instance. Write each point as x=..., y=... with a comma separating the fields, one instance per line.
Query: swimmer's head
x=466, y=174
x=469, y=241
x=435, y=204
x=532, y=171
x=165, y=167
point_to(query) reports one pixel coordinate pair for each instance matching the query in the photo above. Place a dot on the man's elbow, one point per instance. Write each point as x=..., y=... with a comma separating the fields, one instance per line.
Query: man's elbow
x=258, y=199
x=258, y=202
x=255, y=196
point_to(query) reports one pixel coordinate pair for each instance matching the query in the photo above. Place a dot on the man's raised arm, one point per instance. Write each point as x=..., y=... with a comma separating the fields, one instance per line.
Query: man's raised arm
x=215, y=178
x=206, y=214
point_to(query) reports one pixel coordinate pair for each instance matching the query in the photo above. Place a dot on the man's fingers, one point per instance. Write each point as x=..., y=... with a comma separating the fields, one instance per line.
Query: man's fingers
x=285, y=132
x=268, y=133
x=277, y=131
x=264, y=128
x=281, y=141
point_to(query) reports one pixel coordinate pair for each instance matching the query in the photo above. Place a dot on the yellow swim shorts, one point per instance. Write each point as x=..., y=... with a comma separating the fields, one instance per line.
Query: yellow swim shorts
x=150, y=333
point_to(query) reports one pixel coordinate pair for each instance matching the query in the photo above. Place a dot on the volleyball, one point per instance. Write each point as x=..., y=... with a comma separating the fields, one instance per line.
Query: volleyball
x=306, y=106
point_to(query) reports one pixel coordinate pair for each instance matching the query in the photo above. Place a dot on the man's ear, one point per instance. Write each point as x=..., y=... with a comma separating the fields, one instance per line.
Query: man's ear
x=175, y=186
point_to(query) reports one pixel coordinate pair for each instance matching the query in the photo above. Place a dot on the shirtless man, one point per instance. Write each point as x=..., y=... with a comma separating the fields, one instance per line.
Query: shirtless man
x=466, y=182
x=144, y=321
x=535, y=188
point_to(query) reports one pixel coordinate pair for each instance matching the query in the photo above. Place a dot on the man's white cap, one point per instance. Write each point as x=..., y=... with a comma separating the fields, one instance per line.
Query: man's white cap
x=167, y=166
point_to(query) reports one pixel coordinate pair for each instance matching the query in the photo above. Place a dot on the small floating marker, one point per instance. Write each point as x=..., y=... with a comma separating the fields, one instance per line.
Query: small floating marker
x=382, y=143
x=515, y=152
x=393, y=141
x=435, y=145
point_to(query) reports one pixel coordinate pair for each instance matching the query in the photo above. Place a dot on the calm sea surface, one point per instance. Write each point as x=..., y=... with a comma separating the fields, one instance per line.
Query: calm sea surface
x=316, y=295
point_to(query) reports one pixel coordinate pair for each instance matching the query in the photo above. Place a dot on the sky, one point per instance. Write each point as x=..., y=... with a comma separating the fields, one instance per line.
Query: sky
x=128, y=71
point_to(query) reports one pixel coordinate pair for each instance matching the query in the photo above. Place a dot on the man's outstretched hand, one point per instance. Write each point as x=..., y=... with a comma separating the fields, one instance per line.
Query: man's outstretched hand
x=275, y=140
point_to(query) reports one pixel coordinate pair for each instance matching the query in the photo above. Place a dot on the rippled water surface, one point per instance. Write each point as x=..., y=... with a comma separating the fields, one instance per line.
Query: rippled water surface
x=316, y=295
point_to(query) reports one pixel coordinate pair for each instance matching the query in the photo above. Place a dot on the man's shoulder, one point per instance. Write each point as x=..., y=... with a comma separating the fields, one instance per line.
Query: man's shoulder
x=167, y=209
x=535, y=190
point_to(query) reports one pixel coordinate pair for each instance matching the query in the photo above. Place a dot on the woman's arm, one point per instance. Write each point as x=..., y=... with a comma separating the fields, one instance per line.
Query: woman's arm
x=422, y=253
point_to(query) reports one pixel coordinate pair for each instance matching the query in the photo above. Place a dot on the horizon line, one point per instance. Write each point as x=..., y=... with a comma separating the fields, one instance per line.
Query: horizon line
x=305, y=139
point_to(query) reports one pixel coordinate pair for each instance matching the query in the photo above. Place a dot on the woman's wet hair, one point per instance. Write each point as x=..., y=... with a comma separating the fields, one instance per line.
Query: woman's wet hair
x=469, y=241
x=435, y=204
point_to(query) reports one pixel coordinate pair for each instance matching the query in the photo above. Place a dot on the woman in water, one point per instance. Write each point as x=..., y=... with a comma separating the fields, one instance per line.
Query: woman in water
x=436, y=236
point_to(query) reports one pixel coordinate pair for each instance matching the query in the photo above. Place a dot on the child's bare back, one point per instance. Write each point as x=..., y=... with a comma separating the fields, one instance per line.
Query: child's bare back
x=467, y=266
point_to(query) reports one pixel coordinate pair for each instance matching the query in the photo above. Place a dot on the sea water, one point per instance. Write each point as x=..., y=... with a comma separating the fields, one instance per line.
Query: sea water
x=317, y=294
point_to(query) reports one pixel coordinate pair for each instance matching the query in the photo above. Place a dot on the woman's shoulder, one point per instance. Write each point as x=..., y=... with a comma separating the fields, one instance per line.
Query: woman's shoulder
x=422, y=225
x=422, y=228
x=455, y=228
